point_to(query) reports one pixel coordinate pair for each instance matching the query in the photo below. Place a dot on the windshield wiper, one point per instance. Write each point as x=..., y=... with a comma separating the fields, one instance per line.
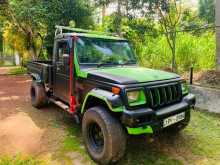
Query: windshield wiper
x=115, y=63
x=106, y=64
x=128, y=63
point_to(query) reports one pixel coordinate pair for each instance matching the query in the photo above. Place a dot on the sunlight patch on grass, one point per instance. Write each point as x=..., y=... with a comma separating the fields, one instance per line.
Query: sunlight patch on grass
x=19, y=160
x=18, y=71
x=73, y=148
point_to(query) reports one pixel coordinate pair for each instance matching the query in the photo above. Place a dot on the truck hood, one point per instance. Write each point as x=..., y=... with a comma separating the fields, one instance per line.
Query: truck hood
x=130, y=75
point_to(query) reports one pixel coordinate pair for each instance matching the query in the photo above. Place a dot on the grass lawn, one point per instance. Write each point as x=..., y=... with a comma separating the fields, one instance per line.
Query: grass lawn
x=19, y=160
x=13, y=70
x=198, y=144
x=17, y=71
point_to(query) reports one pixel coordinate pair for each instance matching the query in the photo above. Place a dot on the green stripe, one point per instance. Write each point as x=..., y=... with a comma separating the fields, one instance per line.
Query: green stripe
x=140, y=130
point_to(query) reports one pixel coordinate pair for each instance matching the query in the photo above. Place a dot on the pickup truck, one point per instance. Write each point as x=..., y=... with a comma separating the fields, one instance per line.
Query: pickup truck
x=96, y=78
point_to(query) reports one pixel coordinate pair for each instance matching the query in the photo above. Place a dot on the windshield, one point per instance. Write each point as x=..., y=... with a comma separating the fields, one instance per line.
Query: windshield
x=104, y=51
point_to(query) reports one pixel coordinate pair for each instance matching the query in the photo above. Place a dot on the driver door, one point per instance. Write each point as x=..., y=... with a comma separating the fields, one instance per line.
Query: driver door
x=62, y=70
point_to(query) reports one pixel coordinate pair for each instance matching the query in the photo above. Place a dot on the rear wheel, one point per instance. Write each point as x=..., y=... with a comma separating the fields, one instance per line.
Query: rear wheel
x=38, y=95
x=104, y=137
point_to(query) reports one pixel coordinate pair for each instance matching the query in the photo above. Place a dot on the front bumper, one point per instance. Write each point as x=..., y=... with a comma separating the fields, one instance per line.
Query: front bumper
x=154, y=118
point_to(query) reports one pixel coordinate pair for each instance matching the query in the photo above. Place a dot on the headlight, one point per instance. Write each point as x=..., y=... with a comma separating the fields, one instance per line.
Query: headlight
x=136, y=97
x=185, y=88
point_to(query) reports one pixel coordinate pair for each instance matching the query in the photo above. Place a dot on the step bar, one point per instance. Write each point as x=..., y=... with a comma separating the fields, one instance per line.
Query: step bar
x=65, y=108
x=60, y=104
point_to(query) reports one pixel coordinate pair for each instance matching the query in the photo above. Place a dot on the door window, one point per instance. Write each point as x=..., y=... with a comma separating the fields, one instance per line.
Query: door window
x=63, y=50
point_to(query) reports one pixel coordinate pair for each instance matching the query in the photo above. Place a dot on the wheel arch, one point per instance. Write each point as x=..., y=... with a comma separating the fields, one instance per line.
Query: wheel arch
x=99, y=97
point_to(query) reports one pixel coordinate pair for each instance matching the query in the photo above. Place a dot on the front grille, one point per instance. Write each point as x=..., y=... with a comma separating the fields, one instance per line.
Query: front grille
x=160, y=96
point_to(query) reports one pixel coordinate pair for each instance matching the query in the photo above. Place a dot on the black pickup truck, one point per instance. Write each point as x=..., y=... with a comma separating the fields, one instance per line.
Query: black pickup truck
x=96, y=78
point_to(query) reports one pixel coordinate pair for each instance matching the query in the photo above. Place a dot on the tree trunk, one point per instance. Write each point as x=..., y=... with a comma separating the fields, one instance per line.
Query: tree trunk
x=217, y=13
x=174, y=69
x=103, y=13
x=33, y=53
x=119, y=17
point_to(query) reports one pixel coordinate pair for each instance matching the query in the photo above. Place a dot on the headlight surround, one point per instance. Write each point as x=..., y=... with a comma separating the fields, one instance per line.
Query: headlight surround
x=136, y=97
x=185, y=88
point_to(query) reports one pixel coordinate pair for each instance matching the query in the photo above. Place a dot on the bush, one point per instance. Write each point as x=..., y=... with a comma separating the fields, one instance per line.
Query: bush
x=199, y=52
x=196, y=51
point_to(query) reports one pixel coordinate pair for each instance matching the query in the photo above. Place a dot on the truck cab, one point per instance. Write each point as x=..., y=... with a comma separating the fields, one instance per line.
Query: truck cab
x=96, y=78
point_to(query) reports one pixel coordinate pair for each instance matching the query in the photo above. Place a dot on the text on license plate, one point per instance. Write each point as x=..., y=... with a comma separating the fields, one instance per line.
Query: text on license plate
x=173, y=119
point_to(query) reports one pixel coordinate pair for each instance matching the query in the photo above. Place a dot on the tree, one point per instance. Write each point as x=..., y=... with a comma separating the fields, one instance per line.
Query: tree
x=103, y=4
x=34, y=21
x=24, y=19
x=117, y=15
x=190, y=21
x=169, y=14
x=62, y=12
x=207, y=10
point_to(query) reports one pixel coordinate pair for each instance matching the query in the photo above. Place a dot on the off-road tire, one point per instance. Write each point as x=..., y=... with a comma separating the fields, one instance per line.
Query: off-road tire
x=176, y=128
x=38, y=95
x=114, y=136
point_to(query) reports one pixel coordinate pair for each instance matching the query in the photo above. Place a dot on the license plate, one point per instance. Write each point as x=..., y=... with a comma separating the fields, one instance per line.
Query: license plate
x=173, y=119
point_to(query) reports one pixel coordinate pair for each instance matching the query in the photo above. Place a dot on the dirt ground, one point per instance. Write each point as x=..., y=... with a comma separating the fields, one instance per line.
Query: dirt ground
x=19, y=129
x=210, y=78
x=28, y=131
x=23, y=129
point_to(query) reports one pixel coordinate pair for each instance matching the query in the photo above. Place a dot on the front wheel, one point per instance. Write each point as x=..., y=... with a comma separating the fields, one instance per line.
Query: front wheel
x=104, y=137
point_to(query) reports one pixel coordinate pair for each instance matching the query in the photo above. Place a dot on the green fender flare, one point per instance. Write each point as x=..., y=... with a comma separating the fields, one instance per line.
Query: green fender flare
x=113, y=101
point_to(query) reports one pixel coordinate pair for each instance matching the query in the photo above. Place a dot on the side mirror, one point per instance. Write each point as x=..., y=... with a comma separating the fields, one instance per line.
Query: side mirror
x=66, y=59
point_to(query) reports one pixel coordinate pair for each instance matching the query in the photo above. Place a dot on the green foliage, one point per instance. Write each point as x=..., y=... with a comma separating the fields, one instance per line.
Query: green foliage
x=30, y=25
x=190, y=21
x=24, y=27
x=29, y=28
x=152, y=48
x=207, y=10
x=197, y=51
x=65, y=12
